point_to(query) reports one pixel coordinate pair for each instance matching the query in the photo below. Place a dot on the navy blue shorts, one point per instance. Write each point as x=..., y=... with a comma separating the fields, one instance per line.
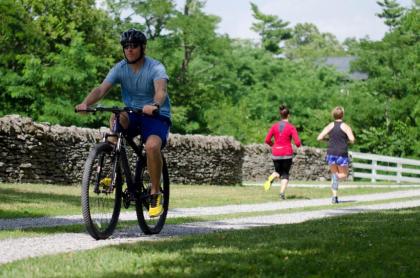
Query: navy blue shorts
x=337, y=160
x=146, y=125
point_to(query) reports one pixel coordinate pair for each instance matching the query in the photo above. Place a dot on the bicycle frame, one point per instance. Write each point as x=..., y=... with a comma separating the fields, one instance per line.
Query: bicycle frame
x=121, y=155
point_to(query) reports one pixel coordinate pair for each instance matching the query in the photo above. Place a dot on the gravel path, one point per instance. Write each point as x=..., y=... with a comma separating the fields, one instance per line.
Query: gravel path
x=328, y=185
x=20, y=248
x=21, y=223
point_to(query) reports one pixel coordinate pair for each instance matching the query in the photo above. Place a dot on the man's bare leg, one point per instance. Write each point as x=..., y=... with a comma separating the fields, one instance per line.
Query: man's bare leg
x=123, y=121
x=154, y=161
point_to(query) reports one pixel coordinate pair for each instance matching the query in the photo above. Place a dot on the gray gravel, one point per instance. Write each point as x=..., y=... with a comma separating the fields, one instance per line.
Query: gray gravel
x=20, y=248
x=21, y=223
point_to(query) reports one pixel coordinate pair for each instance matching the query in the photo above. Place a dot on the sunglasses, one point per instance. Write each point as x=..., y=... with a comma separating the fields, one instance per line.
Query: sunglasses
x=131, y=45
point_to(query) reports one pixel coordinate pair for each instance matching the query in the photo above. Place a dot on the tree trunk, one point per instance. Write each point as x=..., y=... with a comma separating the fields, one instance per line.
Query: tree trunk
x=187, y=49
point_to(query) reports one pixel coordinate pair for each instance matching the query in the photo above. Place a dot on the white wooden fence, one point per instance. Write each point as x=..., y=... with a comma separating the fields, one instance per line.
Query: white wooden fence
x=370, y=162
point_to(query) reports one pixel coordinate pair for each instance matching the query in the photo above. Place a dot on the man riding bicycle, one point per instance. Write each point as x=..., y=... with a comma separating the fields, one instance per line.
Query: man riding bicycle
x=143, y=83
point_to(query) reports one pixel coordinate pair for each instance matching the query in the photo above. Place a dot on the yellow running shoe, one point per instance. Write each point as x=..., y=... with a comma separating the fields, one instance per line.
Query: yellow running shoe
x=105, y=182
x=267, y=185
x=155, y=207
x=268, y=182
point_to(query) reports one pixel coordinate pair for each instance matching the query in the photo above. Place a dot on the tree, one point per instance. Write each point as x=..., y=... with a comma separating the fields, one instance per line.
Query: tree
x=307, y=42
x=351, y=45
x=155, y=13
x=391, y=12
x=59, y=52
x=393, y=65
x=196, y=31
x=196, y=45
x=272, y=30
x=18, y=34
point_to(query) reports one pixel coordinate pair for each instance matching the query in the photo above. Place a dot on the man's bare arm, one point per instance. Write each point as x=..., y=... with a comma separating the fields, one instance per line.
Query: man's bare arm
x=95, y=95
x=160, y=96
x=160, y=91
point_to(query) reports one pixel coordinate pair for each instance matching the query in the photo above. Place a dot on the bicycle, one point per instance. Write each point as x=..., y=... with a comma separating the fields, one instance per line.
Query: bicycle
x=106, y=169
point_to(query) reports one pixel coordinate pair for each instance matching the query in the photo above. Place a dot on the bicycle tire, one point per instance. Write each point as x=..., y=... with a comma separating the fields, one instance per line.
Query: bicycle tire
x=101, y=209
x=147, y=224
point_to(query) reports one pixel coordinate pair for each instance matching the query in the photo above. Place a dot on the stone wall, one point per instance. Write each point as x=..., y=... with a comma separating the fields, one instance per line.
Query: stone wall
x=198, y=159
x=39, y=152
x=36, y=152
x=308, y=164
x=43, y=153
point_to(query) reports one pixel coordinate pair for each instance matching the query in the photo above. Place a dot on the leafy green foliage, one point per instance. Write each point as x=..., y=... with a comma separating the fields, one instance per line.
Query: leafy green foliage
x=54, y=53
x=271, y=29
x=393, y=65
x=401, y=140
x=391, y=12
x=307, y=42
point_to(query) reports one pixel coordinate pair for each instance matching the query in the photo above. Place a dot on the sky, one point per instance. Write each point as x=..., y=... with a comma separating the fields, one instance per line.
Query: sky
x=343, y=18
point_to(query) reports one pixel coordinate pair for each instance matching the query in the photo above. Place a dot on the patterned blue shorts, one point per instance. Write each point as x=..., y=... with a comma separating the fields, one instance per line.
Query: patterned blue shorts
x=337, y=160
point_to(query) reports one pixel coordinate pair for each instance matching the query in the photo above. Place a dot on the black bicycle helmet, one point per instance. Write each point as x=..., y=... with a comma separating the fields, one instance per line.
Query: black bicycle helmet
x=133, y=36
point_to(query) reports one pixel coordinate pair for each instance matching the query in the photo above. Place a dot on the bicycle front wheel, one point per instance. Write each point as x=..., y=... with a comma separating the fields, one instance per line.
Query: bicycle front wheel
x=101, y=191
x=152, y=225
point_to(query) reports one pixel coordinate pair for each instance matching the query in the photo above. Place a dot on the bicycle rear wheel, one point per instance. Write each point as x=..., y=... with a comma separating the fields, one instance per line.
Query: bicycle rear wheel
x=152, y=225
x=101, y=191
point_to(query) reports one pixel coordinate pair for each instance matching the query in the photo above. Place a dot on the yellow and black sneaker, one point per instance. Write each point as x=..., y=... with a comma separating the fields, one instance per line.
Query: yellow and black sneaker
x=156, y=207
x=268, y=182
x=105, y=182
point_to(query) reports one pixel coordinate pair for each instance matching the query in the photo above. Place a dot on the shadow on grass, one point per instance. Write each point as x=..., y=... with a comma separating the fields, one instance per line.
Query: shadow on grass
x=12, y=196
x=183, y=220
x=346, y=201
x=371, y=245
x=44, y=230
x=296, y=197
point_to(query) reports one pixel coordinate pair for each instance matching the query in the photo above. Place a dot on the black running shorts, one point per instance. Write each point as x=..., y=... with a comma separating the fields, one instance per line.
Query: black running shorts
x=282, y=167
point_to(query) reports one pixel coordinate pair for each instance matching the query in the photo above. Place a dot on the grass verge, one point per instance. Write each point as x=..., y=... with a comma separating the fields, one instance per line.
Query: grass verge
x=380, y=244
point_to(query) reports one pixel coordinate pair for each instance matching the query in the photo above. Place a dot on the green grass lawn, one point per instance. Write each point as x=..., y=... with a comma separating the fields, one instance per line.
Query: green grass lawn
x=37, y=200
x=379, y=244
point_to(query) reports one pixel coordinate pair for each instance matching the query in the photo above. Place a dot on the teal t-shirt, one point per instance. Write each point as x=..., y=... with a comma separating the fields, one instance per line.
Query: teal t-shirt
x=137, y=89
